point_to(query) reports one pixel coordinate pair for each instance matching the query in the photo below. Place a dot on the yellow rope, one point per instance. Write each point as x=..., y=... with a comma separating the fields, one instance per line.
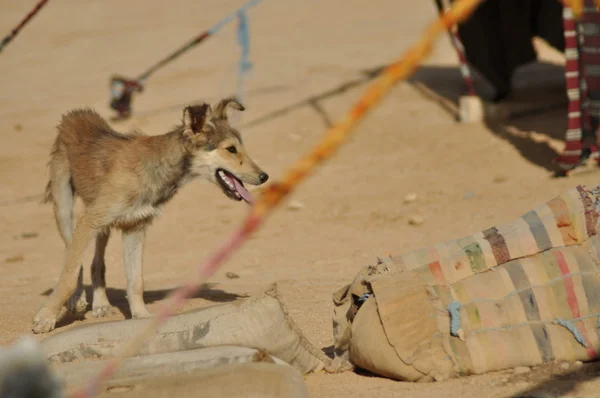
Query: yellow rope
x=272, y=196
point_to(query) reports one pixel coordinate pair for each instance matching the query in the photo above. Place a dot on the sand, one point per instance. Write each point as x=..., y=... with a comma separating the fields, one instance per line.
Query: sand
x=310, y=61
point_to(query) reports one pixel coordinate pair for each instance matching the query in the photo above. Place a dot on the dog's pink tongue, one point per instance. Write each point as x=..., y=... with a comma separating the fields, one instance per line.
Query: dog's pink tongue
x=243, y=191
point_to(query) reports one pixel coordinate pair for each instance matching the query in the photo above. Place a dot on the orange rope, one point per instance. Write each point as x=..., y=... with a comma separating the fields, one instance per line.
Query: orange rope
x=272, y=196
x=576, y=6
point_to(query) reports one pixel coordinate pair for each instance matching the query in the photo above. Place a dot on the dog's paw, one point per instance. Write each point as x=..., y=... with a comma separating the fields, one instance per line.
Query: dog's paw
x=44, y=321
x=141, y=313
x=100, y=311
x=77, y=303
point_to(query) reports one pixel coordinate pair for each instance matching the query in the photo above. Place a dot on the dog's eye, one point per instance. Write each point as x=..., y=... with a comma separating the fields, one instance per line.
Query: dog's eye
x=232, y=149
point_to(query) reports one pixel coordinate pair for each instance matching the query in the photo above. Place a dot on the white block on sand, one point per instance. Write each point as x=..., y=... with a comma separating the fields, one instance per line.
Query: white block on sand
x=470, y=109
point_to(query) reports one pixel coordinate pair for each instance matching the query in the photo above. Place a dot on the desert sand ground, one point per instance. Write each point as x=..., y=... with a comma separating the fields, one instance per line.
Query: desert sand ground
x=310, y=63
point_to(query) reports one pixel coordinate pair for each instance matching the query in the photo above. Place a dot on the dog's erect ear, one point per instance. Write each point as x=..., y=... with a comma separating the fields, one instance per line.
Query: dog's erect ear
x=221, y=109
x=195, y=117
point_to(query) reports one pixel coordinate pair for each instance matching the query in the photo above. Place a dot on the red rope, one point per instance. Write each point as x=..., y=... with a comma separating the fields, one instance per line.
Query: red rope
x=460, y=52
x=16, y=30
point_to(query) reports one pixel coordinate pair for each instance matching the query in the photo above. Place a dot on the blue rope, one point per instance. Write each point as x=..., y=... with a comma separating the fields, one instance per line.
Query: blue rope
x=216, y=27
x=573, y=329
x=454, y=310
x=363, y=297
x=243, y=38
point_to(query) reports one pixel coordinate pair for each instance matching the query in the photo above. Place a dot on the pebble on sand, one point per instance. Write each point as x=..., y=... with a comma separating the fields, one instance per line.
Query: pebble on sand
x=415, y=220
x=232, y=275
x=411, y=197
x=295, y=205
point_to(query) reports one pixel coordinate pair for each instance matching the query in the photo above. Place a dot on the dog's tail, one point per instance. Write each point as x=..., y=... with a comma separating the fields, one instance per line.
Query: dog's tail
x=48, y=193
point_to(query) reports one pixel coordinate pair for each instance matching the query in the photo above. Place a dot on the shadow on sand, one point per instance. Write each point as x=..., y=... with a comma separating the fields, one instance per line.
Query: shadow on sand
x=118, y=299
x=530, y=118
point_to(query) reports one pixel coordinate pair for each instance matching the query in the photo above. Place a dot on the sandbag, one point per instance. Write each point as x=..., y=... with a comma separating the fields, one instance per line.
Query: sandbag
x=224, y=371
x=144, y=367
x=520, y=294
x=261, y=323
x=246, y=380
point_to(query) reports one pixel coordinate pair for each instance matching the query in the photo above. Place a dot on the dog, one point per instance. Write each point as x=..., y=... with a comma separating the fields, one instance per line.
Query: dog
x=124, y=180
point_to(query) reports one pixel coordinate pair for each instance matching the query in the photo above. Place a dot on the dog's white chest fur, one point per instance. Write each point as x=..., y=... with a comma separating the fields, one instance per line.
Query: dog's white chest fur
x=138, y=212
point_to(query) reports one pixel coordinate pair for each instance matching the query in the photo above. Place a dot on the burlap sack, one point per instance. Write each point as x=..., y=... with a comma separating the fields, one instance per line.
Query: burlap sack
x=226, y=371
x=246, y=380
x=144, y=367
x=261, y=323
x=521, y=294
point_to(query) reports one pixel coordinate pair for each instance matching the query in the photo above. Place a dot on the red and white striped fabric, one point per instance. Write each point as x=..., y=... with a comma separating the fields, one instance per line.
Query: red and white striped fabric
x=582, y=77
x=464, y=65
x=573, y=142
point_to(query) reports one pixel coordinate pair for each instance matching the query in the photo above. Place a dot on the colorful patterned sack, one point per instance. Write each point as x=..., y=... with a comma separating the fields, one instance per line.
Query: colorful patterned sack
x=519, y=294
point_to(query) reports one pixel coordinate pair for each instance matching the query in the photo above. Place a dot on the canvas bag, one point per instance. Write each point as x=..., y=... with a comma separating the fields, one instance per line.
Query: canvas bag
x=519, y=294
x=259, y=322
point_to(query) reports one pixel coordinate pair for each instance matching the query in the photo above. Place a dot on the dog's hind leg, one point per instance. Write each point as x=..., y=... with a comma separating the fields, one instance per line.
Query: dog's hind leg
x=63, y=201
x=88, y=227
x=100, y=304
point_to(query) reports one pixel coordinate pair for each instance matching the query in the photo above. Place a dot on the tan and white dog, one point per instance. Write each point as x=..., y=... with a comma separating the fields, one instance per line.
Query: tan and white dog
x=124, y=180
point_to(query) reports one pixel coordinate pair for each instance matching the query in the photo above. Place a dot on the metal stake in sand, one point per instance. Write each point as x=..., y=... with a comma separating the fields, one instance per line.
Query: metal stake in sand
x=470, y=106
x=122, y=88
x=273, y=195
x=8, y=38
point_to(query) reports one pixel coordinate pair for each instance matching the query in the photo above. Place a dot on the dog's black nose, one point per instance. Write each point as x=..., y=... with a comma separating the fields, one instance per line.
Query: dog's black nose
x=263, y=177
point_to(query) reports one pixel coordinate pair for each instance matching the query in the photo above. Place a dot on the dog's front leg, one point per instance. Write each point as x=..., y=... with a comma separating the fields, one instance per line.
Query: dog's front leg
x=45, y=320
x=133, y=248
x=100, y=304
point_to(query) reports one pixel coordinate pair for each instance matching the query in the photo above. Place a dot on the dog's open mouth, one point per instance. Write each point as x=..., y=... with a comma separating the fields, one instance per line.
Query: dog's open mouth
x=233, y=187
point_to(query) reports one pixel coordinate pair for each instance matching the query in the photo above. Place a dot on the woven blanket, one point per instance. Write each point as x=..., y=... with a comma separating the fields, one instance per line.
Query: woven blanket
x=519, y=294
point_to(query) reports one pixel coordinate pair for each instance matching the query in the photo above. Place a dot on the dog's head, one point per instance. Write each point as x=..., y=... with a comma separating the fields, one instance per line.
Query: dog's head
x=217, y=150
